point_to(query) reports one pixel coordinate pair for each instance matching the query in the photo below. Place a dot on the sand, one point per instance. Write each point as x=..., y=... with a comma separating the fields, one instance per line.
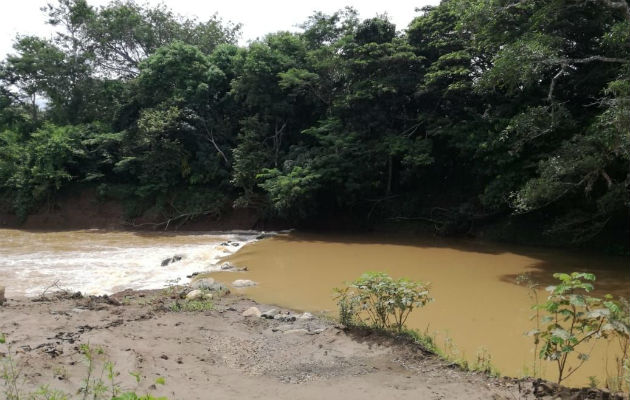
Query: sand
x=220, y=354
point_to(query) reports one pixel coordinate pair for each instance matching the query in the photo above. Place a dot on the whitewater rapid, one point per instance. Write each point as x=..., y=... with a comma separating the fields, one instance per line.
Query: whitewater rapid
x=99, y=262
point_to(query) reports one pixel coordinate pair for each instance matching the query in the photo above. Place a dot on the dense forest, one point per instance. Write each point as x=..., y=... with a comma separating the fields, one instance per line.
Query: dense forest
x=478, y=112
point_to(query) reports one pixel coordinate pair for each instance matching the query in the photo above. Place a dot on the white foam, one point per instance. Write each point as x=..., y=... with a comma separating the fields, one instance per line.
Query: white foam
x=104, y=267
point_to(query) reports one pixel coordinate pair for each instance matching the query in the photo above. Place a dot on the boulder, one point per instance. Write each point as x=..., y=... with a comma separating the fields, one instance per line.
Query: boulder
x=243, y=283
x=252, y=312
x=204, y=283
x=2, y=298
x=195, y=295
x=171, y=260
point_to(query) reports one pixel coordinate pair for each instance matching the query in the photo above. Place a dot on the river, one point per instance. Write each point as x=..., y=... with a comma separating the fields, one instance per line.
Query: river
x=478, y=308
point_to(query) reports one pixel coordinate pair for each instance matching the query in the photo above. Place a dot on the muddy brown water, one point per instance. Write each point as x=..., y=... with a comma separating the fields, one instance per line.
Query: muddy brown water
x=478, y=308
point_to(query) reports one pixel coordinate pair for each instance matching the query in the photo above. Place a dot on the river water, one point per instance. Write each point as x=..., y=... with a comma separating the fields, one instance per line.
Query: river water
x=478, y=308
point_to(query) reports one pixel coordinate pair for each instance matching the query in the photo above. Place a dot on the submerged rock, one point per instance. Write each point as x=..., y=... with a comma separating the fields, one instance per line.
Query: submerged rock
x=252, y=312
x=243, y=283
x=2, y=298
x=171, y=260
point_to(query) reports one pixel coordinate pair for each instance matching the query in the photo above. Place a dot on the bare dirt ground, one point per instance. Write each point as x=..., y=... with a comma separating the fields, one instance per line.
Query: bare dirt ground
x=220, y=354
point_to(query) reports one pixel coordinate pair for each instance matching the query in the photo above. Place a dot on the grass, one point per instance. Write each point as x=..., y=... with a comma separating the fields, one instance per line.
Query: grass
x=191, y=305
x=100, y=381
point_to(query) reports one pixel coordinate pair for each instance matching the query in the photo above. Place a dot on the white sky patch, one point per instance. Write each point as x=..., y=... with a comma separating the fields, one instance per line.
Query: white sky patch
x=258, y=17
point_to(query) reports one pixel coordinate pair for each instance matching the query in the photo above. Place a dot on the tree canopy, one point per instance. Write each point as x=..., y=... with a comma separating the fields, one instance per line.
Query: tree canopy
x=479, y=111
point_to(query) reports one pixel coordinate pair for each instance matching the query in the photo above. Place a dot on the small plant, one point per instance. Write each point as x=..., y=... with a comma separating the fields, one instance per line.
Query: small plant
x=619, y=322
x=532, y=291
x=380, y=301
x=347, y=304
x=483, y=362
x=571, y=319
x=191, y=305
x=593, y=382
x=9, y=372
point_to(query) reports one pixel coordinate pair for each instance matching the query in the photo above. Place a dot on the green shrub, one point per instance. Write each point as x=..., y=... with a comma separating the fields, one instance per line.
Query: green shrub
x=572, y=318
x=380, y=301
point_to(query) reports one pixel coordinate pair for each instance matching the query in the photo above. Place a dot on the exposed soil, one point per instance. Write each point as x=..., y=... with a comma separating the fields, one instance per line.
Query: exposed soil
x=221, y=354
x=83, y=209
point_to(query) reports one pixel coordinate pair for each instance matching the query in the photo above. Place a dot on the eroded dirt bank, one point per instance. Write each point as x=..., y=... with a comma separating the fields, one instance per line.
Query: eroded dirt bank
x=221, y=354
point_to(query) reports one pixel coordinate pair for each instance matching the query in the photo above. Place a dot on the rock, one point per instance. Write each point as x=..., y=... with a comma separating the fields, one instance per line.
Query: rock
x=285, y=317
x=171, y=260
x=252, y=312
x=195, y=295
x=243, y=283
x=227, y=267
x=236, y=244
x=2, y=298
x=269, y=314
x=306, y=316
x=204, y=283
x=208, y=296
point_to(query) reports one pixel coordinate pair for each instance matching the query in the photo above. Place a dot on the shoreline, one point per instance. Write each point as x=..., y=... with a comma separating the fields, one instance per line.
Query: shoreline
x=222, y=352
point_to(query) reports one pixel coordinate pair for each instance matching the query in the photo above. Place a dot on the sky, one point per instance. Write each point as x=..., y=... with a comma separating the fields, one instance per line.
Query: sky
x=258, y=17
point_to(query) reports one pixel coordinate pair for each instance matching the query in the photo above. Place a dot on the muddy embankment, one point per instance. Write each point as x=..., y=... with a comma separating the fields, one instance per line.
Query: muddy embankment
x=85, y=210
x=230, y=352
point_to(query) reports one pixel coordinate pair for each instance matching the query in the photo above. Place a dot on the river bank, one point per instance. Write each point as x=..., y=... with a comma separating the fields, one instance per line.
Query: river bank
x=222, y=354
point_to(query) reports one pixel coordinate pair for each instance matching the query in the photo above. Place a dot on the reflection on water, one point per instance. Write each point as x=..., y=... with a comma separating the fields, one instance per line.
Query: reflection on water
x=477, y=303
x=103, y=262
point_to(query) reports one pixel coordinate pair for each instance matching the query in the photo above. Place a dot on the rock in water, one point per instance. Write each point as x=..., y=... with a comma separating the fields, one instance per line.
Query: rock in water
x=195, y=295
x=243, y=283
x=2, y=298
x=204, y=283
x=171, y=260
x=252, y=312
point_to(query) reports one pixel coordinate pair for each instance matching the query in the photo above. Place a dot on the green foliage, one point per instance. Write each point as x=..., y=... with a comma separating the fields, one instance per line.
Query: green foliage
x=94, y=386
x=480, y=109
x=381, y=301
x=571, y=320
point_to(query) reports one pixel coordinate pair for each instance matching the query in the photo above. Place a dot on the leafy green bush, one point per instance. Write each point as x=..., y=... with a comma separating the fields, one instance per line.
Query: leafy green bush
x=572, y=318
x=380, y=301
